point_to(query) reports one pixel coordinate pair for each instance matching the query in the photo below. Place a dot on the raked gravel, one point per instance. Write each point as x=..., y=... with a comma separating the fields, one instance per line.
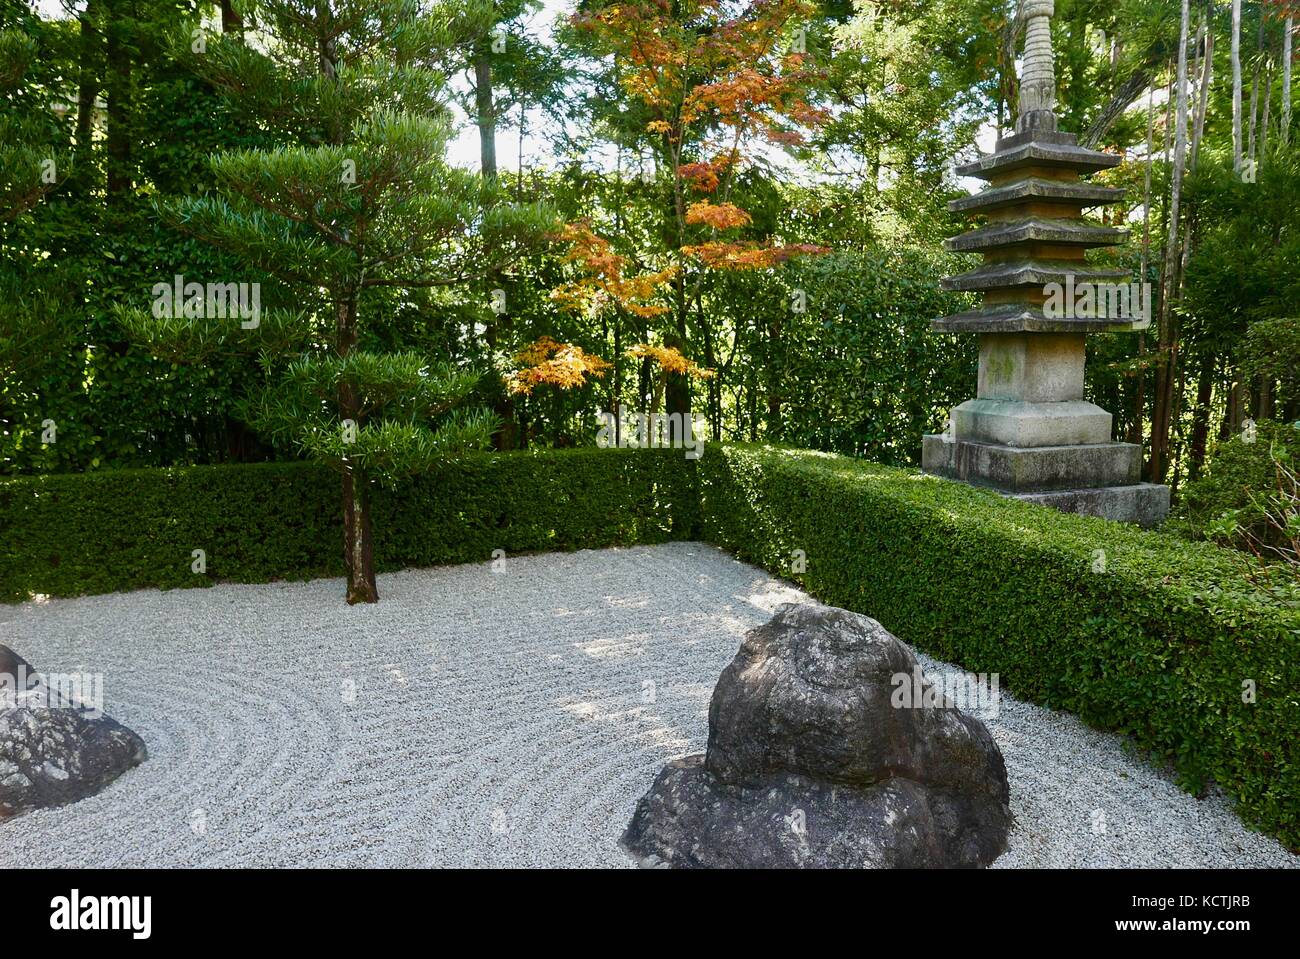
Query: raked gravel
x=490, y=715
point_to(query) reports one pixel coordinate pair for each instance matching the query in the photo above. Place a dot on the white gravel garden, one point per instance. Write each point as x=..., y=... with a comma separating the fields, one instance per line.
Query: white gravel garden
x=506, y=714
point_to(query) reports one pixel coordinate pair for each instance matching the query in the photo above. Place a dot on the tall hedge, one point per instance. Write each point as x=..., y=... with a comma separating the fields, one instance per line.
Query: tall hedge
x=63, y=535
x=1134, y=631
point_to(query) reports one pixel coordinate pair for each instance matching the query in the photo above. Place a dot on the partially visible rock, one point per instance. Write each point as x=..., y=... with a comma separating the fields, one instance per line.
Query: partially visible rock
x=810, y=763
x=54, y=750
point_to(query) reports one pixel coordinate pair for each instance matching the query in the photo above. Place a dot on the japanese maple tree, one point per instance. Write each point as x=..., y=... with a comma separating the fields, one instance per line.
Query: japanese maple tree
x=707, y=83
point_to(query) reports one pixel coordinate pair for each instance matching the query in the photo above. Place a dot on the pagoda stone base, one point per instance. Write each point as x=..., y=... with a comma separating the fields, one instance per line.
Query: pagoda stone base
x=1146, y=504
x=1094, y=479
x=1020, y=423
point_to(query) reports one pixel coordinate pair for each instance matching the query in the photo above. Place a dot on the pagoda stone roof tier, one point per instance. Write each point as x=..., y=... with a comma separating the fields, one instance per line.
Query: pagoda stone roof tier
x=1018, y=318
x=1035, y=230
x=1036, y=188
x=1002, y=276
x=1039, y=152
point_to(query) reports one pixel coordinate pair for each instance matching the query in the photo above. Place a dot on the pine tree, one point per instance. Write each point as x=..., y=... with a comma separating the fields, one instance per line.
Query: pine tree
x=359, y=199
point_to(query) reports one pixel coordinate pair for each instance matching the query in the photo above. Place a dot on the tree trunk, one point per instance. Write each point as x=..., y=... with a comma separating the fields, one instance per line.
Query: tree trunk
x=1201, y=417
x=118, y=83
x=1286, y=83
x=1254, y=90
x=358, y=540
x=1140, y=388
x=1203, y=93
x=231, y=21
x=91, y=43
x=1268, y=110
x=1236, y=86
x=485, y=112
x=1166, y=371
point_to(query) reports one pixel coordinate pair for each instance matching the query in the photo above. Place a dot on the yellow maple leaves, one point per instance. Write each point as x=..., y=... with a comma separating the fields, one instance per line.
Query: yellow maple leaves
x=546, y=362
x=670, y=360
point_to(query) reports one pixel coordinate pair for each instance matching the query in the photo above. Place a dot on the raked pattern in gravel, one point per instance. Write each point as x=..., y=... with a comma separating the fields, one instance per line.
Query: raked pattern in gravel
x=487, y=716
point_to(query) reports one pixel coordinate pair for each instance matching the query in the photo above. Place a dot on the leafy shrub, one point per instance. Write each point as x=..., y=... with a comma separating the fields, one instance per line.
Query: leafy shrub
x=1160, y=644
x=65, y=535
x=1247, y=497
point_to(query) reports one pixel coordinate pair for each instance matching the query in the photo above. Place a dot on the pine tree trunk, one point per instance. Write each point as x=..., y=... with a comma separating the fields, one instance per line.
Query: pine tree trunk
x=231, y=21
x=1254, y=90
x=358, y=539
x=485, y=110
x=1203, y=93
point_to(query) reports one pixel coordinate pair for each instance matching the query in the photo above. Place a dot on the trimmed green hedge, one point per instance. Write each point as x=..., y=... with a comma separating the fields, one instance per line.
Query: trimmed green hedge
x=64, y=535
x=1157, y=646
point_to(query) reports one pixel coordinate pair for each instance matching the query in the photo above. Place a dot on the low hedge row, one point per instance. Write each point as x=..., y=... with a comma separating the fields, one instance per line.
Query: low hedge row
x=64, y=535
x=1138, y=632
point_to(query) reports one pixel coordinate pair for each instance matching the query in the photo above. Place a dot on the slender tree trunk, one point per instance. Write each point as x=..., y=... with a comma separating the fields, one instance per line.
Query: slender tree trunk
x=1203, y=93
x=118, y=83
x=231, y=21
x=358, y=538
x=1166, y=372
x=1286, y=82
x=91, y=47
x=485, y=111
x=1201, y=417
x=1139, y=393
x=1236, y=86
x=1267, y=119
x=1254, y=89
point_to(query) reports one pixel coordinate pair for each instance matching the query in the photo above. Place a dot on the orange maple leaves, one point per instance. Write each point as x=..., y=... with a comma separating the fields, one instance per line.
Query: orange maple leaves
x=755, y=81
x=720, y=216
x=605, y=278
x=548, y=362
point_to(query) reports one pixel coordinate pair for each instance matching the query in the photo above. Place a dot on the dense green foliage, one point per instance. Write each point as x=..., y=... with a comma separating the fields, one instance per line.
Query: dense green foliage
x=871, y=184
x=1246, y=497
x=1134, y=631
x=129, y=529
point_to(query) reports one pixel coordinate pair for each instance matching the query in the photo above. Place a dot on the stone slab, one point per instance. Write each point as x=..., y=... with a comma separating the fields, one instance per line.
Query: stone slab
x=1016, y=318
x=1146, y=504
x=1026, y=425
x=1031, y=470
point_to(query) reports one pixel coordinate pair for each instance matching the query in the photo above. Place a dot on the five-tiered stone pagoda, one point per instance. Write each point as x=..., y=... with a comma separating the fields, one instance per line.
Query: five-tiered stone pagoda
x=1030, y=433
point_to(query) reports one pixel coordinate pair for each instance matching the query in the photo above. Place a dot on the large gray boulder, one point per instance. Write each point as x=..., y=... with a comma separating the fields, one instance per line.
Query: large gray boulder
x=811, y=764
x=54, y=750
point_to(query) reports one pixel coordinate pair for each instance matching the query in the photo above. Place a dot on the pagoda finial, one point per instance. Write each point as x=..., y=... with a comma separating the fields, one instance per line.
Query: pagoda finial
x=1038, y=80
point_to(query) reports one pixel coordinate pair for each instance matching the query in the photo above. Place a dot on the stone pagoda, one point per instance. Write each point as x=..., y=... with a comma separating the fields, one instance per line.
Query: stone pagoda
x=1030, y=433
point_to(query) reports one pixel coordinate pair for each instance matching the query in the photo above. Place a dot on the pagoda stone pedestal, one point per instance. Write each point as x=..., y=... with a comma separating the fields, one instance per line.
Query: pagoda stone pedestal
x=1029, y=432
